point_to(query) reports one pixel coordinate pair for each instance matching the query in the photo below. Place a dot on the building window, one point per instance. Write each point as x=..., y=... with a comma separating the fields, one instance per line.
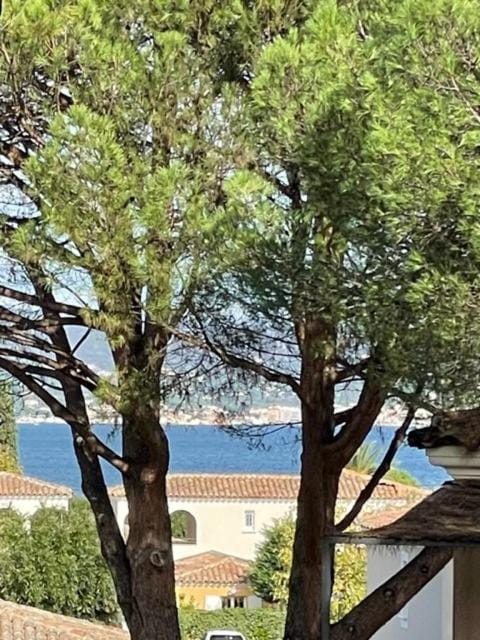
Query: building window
x=184, y=527
x=233, y=602
x=249, y=521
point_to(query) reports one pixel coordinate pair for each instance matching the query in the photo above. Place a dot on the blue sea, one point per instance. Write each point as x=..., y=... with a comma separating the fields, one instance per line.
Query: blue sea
x=46, y=452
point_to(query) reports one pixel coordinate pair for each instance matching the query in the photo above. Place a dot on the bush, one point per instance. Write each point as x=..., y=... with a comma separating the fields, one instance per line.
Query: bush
x=402, y=476
x=255, y=624
x=53, y=561
x=271, y=569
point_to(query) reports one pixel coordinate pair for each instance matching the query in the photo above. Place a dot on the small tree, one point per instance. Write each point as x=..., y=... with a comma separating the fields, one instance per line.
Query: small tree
x=271, y=569
x=8, y=430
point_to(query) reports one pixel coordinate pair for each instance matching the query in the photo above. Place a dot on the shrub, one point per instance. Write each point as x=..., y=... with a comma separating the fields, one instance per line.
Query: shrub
x=255, y=624
x=53, y=561
x=271, y=569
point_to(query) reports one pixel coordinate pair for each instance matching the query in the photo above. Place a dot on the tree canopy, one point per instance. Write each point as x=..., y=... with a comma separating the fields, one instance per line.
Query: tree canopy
x=285, y=189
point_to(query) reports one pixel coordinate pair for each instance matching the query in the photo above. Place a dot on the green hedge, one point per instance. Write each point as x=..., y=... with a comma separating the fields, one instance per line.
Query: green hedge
x=255, y=624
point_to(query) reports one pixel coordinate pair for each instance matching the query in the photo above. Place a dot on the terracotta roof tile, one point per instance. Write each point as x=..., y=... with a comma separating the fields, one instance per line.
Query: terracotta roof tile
x=212, y=568
x=18, y=622
x=18, y=485
x=271, y=487
x=383, y=518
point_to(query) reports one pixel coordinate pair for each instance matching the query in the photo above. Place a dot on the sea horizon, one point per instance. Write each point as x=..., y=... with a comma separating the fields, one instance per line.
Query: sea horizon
x=46, y=452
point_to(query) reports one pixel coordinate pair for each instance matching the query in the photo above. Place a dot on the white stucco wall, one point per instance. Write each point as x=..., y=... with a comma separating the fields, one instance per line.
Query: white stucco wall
x=27, y=506
x=429, y=615
x=220, y=523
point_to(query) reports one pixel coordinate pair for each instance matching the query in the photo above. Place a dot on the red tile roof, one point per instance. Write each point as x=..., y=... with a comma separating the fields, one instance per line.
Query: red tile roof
x=383, y=518
x=18, y=485
x=271, y=487
x=18, y=622
x=211, y=568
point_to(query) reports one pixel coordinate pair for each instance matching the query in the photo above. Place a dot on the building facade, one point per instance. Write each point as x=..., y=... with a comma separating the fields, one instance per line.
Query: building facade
x=26, y=495
x=229, y=512
x=214, y=580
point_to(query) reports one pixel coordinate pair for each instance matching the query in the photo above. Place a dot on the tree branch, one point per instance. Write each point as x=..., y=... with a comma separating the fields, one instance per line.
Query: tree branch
x=111, y=540
x=362, y=419
x=60, y=411
x=381, y=470
x=51, y=368
x=35, y=301
x=237, y=362
x=28, y=340
x=350, y=370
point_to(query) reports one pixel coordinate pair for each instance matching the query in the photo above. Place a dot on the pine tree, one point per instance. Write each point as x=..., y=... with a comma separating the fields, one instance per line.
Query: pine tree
x=287, y=186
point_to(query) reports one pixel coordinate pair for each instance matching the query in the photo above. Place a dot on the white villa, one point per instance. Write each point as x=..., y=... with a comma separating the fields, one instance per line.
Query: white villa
x=27, y=495
x=229, y=512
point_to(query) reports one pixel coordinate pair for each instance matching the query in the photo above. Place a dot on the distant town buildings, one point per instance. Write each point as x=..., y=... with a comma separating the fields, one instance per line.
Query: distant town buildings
x=33, y=410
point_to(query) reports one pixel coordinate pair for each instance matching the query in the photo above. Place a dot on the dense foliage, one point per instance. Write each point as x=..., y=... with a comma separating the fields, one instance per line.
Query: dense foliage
x=292, y=184
x=255, y=624
x=52, y=561
x=8, y=430
x=271, y=569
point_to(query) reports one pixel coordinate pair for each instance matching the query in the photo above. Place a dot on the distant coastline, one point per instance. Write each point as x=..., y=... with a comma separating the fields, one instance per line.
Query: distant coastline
x=213, y=416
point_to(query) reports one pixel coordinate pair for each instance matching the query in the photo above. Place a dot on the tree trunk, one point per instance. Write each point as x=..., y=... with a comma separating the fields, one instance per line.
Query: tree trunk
x=315, y=518
x=111, y=540
x=318, y=482
x=149, y=549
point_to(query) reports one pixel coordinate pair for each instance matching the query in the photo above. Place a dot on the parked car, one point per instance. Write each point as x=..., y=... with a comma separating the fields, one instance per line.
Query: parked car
x=223, y=634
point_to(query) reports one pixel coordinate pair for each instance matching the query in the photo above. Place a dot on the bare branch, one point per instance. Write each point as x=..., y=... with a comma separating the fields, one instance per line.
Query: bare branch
x=381, y=470
x=35, y=301
x=35, y=342
x=51, y=369
x=238, y=362
x=60, y=411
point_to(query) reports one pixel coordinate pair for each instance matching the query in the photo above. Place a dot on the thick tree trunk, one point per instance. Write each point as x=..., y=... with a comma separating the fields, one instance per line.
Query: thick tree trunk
x=318, y=483
x=149, y=548
x=315, y=518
